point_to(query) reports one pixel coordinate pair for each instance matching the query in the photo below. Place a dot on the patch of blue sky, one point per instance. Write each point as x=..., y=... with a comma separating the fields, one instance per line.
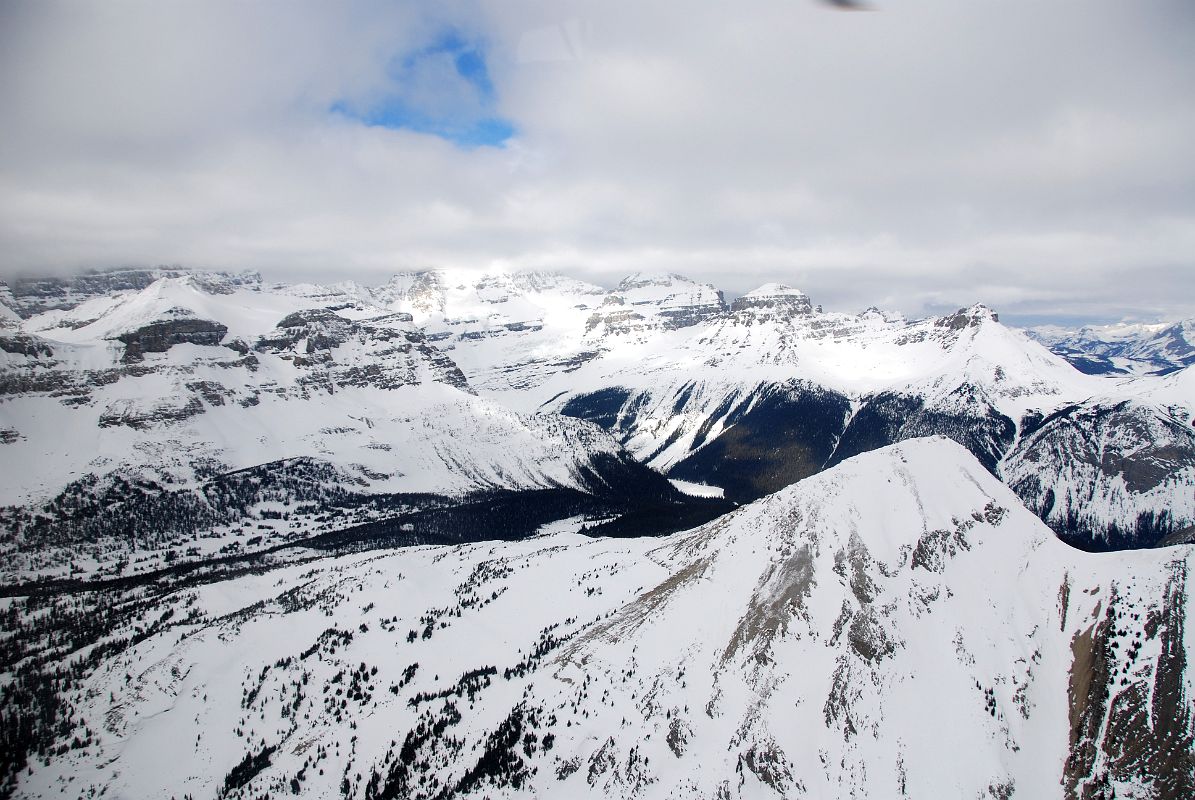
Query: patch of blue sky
x=443, y=89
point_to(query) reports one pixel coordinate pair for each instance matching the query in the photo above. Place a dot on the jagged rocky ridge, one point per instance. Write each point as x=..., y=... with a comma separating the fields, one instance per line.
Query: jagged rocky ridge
x=897, y=626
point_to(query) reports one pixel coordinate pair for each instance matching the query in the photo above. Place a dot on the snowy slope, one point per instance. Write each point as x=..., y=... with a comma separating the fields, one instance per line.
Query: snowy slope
x=262, y=392
x=8, y=314
x=505, y=329
x=896, y=626
x=194, y=374
x=1122, y=463
x=853, y=356
x=773, y=390
x=1172, y=391
x=128, y=397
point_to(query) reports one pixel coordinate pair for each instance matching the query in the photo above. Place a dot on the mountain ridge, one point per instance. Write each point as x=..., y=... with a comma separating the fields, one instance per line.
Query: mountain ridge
x=688, y=384
x=790, y=647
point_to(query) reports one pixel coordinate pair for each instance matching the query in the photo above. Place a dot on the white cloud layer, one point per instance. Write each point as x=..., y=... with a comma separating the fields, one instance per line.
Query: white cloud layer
x=1036, y=156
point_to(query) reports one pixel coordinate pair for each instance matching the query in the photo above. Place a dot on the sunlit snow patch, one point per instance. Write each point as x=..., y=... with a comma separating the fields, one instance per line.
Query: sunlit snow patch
x=697, y=489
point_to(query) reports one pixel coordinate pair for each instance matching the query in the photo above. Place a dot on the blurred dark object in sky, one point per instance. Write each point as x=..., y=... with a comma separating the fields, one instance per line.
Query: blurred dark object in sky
x=848, y=5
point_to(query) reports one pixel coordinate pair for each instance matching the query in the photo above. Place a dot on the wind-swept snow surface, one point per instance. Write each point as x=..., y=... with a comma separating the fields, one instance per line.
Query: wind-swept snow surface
x=898, y=625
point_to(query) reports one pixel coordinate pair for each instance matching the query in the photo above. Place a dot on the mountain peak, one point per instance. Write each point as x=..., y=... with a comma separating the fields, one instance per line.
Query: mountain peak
x=875, y=313
x=774, y=297
x=775, y=290
x=970, y=317
x=641, y=280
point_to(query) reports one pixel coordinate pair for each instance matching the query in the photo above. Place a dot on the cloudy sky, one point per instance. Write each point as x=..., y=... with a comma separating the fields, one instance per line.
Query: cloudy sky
x=1038, y=155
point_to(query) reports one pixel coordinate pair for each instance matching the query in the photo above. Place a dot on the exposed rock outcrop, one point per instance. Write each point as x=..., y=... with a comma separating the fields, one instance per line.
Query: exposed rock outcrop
x=161, y=335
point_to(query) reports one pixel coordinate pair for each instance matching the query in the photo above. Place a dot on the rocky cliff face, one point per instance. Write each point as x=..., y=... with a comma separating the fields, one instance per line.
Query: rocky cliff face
x=160, y=335
x=384, y=352
x=647, y=302
x=774, y=299
x=30, y=296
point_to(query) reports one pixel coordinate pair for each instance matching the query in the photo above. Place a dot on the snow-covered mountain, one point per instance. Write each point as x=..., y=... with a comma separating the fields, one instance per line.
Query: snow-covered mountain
x=896, y=626
x=29, y=297
x=206, y=480
x=755, y=396
x=192, y=418
x=193, y=376
x=1124, y=348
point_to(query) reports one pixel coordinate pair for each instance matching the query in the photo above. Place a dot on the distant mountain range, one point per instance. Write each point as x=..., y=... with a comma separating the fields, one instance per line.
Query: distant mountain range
x=1124, y=349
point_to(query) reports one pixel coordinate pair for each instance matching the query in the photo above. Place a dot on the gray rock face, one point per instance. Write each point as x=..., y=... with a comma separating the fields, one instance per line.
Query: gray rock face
x=387, y=353
x=160, y=336
x=140, y=416
x=783, y=303
x=616, y=318
x=25, y=345
x=971, y=317
x=34, y=295
x=675, y=318
x=321, y=328
x=657, y=302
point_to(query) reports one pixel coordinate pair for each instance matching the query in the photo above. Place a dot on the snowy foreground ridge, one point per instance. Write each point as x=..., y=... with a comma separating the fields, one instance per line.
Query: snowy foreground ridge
x=896, y=626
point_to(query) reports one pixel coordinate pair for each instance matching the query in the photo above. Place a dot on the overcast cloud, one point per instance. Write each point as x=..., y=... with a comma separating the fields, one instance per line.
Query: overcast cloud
x=1036, y=155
